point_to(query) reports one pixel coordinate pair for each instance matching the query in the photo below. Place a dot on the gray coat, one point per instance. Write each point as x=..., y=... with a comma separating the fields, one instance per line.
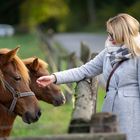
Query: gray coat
x=123, y=97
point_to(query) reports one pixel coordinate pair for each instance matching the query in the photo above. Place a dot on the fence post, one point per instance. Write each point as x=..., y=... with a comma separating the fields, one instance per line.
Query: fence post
x=85, y=100
x=103, y=122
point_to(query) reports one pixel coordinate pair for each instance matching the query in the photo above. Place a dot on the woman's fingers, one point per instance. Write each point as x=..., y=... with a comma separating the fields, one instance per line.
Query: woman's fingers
x=41, y=84
x=44, y=81
x=43, y=78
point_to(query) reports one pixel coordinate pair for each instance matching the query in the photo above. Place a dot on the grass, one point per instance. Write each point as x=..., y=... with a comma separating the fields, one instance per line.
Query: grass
x=100, y=99
x=28, y=45
x=54, y=120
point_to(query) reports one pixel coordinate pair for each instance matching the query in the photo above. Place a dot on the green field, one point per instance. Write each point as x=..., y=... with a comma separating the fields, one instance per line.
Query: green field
x=54, y=120
x=29, y=45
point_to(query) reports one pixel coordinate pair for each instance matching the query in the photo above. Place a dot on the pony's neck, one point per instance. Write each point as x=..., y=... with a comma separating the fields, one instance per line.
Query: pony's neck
x=6, y=122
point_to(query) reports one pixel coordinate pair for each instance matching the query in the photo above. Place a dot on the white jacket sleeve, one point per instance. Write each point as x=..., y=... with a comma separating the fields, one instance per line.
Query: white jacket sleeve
x=92, y=68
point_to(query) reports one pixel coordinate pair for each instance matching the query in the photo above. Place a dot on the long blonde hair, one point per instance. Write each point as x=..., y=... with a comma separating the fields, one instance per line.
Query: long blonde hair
x=124, y=28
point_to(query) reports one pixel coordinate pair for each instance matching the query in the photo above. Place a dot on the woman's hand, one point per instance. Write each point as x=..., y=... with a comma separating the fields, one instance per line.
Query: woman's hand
x=44, y=81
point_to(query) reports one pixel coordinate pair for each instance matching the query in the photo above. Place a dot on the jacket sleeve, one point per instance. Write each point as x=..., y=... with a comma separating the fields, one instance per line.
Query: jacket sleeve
x=139, y=72
x=92, y=68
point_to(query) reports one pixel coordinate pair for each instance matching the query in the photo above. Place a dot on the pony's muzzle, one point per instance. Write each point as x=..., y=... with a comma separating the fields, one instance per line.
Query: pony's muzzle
x=59, y=100
x=28, y=117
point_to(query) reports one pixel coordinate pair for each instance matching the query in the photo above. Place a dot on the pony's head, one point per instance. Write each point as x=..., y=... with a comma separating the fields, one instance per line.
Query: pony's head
x=15, y=93
x=50, y=94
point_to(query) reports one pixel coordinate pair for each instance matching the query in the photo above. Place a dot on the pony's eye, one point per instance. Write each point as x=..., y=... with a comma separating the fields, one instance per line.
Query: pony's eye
x=17, y=78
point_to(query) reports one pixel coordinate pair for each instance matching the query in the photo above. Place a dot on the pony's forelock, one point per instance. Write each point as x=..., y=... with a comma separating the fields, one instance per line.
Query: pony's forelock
x=22, y=68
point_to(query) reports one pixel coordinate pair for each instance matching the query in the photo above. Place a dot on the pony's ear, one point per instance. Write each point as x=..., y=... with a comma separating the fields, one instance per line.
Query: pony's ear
x=35, y=64
x=9, y=56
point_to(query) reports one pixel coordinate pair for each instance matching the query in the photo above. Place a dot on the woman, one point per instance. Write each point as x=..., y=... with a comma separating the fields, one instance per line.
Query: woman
x=123, y=95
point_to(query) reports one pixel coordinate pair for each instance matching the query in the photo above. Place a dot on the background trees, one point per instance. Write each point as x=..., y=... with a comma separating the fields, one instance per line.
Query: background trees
x=34, y=12
x=65, y=15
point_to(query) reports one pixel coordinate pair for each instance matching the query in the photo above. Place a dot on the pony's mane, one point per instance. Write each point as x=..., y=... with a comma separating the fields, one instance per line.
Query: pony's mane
x=42, y=63
x=20, y=65
x=1, y=80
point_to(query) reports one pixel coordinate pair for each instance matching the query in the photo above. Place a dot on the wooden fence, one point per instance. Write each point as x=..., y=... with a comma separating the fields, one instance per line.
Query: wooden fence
x=96, y=136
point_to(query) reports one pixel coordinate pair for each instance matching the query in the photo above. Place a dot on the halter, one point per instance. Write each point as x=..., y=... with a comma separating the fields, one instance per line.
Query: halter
x=15, y=95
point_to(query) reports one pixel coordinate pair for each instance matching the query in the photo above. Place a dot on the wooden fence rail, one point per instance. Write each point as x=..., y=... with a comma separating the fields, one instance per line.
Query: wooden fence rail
x=95, y=136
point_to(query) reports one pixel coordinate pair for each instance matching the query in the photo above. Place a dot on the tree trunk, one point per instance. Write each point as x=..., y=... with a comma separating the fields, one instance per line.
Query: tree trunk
x=91, y=10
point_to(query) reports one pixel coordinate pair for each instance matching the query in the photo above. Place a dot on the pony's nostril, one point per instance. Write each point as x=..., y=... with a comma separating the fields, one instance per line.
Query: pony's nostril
x=36, y=119
x=39, y=113
x=37, y=116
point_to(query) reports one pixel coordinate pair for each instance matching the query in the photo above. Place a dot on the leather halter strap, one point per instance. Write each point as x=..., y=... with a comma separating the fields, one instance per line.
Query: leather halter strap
x=16, y=95
x=110, y=75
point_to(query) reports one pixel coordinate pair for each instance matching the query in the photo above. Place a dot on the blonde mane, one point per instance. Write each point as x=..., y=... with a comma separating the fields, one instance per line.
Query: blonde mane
x=20, y=65
x=42, y=63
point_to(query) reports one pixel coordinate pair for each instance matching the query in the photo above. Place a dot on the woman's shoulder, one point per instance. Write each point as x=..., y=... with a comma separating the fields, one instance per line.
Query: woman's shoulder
x=103, y=52
x=100, y=57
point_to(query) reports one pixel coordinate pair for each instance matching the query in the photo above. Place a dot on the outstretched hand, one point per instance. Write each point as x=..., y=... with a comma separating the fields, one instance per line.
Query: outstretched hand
x=44, y=81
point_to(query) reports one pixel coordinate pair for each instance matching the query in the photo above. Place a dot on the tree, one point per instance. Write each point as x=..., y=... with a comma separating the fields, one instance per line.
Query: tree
x=91, y=10
x=34, y=12
x=9, y=11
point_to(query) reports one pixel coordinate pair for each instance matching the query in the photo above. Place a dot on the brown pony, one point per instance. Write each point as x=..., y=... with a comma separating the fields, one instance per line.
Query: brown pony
x=50, y=94
x=16, y=97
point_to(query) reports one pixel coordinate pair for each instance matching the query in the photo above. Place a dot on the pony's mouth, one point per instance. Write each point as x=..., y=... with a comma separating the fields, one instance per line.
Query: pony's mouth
x=18, y=114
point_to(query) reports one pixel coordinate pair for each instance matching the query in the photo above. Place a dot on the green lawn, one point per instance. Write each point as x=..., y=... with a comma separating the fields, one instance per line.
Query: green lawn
x=28, y=45
x=54, y=120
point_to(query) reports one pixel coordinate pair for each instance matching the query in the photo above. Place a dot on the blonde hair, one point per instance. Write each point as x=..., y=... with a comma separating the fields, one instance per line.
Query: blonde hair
x=124, y=28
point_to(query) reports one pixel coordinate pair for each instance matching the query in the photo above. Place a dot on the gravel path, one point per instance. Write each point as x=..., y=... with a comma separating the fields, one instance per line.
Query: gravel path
x=71, y=41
